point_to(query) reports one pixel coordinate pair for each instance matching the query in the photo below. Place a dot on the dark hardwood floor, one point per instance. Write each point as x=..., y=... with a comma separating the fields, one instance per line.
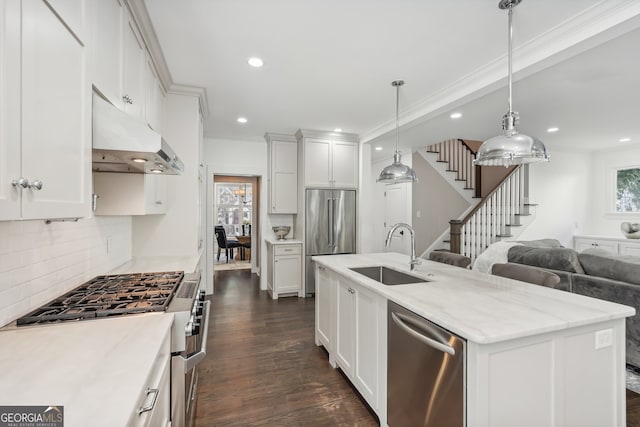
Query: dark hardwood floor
x=263, y=368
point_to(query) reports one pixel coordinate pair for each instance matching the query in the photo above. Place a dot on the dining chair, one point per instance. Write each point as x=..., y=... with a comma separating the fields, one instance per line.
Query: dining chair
x=228, y=244
x=526, y=273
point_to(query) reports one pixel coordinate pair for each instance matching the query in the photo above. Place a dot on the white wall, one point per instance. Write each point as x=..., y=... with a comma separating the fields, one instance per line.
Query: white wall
x=176, y=232
x=233, y=157
x=604, y=221
x=39, y=262
x=373, y=214
x=563, y=190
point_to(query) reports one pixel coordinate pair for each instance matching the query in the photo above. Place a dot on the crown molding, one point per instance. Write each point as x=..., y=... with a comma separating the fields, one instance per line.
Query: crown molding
x=598, y=24
x=333, y=136
x=270, y=136
x=199, y=92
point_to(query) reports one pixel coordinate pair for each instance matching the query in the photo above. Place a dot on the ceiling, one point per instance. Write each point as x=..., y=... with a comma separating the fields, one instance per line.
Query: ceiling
x=329, y=64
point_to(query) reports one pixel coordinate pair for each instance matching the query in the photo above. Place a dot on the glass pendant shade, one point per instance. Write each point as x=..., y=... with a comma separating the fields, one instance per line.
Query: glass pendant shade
x=397, y=172
x=510, y=148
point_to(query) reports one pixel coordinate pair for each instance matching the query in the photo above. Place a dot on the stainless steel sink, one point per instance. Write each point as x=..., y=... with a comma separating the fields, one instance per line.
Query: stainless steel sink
x=388, y=276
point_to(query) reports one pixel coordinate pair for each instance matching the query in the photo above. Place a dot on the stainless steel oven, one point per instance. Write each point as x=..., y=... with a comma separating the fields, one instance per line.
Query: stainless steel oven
x=191, y=317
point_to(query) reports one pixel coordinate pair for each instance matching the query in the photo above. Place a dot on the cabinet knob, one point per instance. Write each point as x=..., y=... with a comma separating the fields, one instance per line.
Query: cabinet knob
x=158, y=202
x=36, y=185
x=127, y=99
x=22, y=182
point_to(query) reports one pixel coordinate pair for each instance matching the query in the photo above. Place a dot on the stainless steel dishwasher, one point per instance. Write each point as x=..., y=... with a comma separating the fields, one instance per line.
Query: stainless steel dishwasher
x=426, y=372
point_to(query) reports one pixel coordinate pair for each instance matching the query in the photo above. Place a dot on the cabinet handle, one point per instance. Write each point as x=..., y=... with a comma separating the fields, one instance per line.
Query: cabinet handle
x=36, y=185
x=127, y=99
x=22, y=182
x=155, y=392
x=351, y=291
x=158, y=202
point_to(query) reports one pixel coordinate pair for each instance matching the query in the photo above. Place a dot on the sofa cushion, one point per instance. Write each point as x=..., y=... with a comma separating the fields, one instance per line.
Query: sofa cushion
x=598, y=262
x=526, y=273
x=542, y=243
x=563, y=259
x=450, y=258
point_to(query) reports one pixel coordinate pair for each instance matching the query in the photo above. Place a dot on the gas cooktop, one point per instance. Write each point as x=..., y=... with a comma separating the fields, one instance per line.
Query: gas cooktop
x=109, y=295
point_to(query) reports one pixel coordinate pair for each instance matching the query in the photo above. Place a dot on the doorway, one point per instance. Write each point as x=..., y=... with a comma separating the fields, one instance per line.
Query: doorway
x=236, y=220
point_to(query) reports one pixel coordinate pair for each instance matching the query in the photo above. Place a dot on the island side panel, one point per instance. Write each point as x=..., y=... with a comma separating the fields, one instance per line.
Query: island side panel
x=554, y=379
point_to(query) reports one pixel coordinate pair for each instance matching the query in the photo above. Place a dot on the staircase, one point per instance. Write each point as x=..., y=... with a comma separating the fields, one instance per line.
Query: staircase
x=495, y=218
x=497, y=215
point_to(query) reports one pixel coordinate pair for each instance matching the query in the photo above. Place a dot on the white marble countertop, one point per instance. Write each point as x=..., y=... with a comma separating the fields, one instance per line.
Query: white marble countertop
x=96, y=369
x=276, y=241
x=479, y=307
x=153, y=264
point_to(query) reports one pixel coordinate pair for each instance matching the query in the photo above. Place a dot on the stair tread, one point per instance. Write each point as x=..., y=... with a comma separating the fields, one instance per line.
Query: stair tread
x=436, y=152
x=531, y=204
x=442, y=161
x=523, y=214
x=504, y=235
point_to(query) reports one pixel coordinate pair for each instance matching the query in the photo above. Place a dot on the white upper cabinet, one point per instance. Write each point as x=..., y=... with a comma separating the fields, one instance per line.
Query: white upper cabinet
x=133, y=68
x=283, y=173
x=119, y=60
x=150, y=94
x=107, y=25
x=46, y=161
x=330, y=159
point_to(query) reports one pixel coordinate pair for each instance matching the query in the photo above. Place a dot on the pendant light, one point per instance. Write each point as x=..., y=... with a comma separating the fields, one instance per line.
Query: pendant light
x=397, y=172
x=511, y=148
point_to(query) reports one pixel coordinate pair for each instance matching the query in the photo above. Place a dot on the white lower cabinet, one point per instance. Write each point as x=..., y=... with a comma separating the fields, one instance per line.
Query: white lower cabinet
x=359, y=320
x=153, y=408
x=130, y=193
x=582, y=243
x=285, y=269
x=325, y=294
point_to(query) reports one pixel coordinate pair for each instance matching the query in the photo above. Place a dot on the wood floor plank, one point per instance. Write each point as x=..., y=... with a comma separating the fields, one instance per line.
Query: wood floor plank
x=263, y=368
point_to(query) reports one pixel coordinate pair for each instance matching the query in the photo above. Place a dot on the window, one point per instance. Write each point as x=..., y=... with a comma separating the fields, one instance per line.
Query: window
x=234, y=207
x=628, y=190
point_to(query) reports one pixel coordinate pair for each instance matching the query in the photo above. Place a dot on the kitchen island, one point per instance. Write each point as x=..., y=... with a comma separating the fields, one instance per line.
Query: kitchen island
x=534, y=356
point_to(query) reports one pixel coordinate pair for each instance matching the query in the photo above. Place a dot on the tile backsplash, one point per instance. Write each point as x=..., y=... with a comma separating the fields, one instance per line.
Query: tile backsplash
x=39, y=261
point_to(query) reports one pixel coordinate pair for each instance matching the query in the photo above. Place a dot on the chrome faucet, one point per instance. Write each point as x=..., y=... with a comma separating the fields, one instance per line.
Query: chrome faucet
x=414, y=260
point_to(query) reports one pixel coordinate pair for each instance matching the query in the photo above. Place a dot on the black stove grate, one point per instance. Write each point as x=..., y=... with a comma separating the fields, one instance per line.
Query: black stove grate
x=109, y=295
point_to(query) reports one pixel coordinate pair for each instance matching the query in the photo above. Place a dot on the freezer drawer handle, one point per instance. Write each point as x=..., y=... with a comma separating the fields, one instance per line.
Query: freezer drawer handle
x=191, y=361
x=400, y=319
x=144, y=409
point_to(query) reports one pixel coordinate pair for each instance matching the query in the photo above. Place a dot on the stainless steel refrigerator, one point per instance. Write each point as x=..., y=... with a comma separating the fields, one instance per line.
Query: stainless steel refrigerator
x=330, y=221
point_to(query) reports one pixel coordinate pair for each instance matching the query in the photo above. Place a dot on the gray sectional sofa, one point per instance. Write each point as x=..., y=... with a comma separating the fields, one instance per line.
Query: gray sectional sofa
x=594, y=273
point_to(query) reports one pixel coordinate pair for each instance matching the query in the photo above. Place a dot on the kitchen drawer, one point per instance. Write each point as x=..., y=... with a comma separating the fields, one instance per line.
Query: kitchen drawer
x=287, y=249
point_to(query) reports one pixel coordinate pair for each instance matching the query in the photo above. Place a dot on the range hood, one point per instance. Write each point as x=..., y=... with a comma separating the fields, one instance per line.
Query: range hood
x=123, y=144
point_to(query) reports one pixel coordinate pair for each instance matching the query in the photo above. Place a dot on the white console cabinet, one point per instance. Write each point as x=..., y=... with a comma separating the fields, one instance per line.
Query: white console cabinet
x=619, y=246
x=284, y=275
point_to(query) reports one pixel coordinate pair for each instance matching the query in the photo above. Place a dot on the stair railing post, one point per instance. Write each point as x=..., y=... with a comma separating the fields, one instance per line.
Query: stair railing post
x=455, y=231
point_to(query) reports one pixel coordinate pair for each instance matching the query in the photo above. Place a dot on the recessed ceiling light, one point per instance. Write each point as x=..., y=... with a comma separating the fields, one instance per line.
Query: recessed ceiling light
x=242, y=120
x=624, y=139
x=337, y=130
x=378, y=148
x=157, y=170
x=139, y=160
x=455, y=115
x=255, y=62
x=553, y=129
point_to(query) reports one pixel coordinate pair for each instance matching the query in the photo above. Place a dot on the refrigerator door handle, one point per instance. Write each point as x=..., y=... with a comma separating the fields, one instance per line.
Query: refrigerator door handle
x=334, y=229
x=330, y=220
